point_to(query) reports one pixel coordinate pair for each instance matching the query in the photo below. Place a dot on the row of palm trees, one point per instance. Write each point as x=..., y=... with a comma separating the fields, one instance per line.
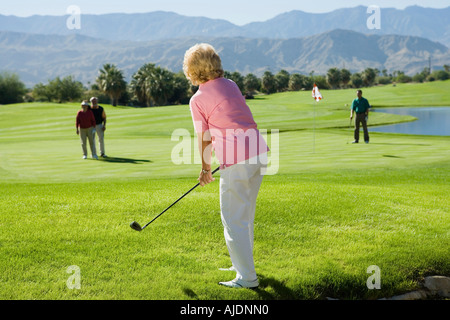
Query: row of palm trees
x=150, y=85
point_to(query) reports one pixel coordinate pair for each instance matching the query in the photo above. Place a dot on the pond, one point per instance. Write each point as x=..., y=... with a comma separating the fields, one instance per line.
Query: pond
x=431, y=121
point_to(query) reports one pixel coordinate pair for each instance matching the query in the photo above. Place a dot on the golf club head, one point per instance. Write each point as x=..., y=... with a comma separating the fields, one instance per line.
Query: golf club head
x=135, y=226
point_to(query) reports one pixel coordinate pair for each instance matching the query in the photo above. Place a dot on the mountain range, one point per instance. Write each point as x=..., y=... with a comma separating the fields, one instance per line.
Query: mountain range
x=39, y=48
x=428, y=23
x=38, y=58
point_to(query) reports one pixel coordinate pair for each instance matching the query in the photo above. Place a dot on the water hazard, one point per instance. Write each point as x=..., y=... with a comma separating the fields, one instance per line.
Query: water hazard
x=430, y=121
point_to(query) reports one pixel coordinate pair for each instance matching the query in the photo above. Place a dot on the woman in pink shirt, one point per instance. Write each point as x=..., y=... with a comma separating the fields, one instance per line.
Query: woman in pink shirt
x=224, y=123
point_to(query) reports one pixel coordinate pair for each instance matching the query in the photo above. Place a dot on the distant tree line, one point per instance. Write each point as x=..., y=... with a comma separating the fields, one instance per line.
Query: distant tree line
x=153, y=85
x=12, y=90
x=150, y=86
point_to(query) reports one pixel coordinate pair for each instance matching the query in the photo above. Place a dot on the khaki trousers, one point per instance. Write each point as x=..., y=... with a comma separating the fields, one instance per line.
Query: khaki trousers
x=87, y=134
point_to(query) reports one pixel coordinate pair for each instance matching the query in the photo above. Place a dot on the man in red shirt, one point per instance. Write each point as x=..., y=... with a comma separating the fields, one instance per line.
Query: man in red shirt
x=85, y=124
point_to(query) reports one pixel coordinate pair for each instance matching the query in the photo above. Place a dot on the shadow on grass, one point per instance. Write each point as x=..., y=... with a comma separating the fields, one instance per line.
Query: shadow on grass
x=390, y=156
x=325, y=287
x=124, y=160
x=402, y=144
x=190, y=293
x=259, y=97
x=271, y=289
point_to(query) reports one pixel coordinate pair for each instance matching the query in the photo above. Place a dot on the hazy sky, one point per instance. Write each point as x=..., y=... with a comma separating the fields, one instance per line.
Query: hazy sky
x=236, y=11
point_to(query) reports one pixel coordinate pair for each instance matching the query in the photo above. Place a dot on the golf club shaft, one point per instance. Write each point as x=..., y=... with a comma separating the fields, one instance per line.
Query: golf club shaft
x=177, y=201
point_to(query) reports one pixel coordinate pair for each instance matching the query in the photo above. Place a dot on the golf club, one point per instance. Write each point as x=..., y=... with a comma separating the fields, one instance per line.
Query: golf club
x=136, y=226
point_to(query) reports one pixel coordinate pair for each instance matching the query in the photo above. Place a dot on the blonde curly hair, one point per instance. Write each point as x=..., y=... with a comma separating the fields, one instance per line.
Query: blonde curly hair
x=202, y=63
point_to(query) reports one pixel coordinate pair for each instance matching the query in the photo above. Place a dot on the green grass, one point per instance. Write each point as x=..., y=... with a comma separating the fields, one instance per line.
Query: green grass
x=321, y=220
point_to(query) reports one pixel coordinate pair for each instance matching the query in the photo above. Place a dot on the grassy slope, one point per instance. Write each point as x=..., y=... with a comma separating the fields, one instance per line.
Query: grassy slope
x=322, y=220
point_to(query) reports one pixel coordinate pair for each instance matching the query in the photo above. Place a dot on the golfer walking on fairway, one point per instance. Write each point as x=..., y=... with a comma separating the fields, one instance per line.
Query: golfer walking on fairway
x=224, y=122
x=361, y=106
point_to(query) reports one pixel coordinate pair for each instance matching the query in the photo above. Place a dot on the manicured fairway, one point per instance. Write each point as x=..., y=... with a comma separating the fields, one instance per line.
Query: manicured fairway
x=331, y=210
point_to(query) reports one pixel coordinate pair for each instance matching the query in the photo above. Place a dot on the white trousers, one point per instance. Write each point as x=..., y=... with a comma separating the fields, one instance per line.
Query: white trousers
x=239, y=187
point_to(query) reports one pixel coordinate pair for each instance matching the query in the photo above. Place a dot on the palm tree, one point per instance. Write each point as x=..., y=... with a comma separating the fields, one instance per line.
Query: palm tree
x=282, y=80
x=357, y=80
x=111, y=81
x=238, y=79
x=138, y=85
x=334, y=77
x=296, y=82
x=153, y=85
x=163, y=86
x=345, y=77
x=268, y=83
x=251, y=84
x=369, y=76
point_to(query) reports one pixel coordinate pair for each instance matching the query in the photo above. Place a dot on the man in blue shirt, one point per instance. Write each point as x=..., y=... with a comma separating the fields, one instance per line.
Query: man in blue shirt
x=361, y=106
